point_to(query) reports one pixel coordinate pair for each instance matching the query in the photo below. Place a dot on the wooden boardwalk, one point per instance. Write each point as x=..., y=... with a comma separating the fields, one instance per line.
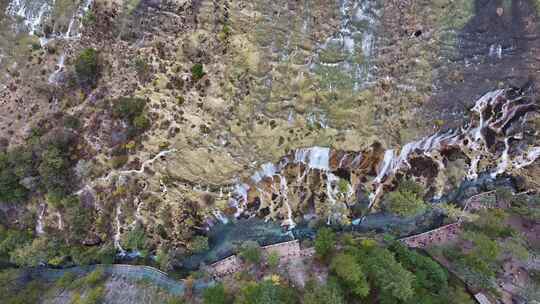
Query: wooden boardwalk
x=436, y=236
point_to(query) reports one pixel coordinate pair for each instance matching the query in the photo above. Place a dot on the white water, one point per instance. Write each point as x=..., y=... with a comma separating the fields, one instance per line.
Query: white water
x=531, y=156
x=220, y=216
x=118, y=234
x=284, y=192
x=60, y=221
x=504, y=161
x=147, y=163
x=314, y=157
x=469, y=139
x=267, y=170
x=331, y=192
x=239, y=199
x=354, y=39
x=31, y=13
x=138, y=218
x=39, y=223
x=495, y=50
x=54, y=77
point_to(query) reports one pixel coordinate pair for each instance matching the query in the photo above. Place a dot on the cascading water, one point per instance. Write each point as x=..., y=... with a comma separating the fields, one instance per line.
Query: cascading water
x=350, y=49
x=118, y=234
x=73, y=32
x=39, y=222
x=31, y=13
x=35, y=13
x=56, y=75
x=489, y=143
x=284, y=191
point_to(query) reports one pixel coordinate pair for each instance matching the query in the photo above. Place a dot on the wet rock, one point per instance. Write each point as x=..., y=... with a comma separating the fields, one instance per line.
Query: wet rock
x=31, y=182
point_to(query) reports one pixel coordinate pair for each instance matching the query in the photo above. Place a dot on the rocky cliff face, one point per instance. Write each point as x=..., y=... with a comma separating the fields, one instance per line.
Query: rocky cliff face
x=303, y=108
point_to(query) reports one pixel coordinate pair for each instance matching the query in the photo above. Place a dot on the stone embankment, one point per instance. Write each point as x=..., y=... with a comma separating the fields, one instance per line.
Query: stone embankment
x=286, y=251
x=452, y=231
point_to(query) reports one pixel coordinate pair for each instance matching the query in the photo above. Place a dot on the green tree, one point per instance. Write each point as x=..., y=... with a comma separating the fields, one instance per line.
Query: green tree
x=54, y=168
x=66, y=280
x=128, y=107
x=215, y=295
x=265, y=292
x=163, y=258
x=273, y=259
x=251, y=252
x=350, y=273
x=199, y=243
x=132, y=111
x=493, y=223
x=197, y=71
x=135, y=238
x=392, y=280
x=86, y=67
x=106, y=254
x=455, y=213
x=94, y=278
x=12, y=239
x=40, y=251
x=329, y=293
x=13, y=167
x=458, y=295
x=407, y=199
x=429, y=274
x=79, y=219
x=484, y=247
x=325, y=242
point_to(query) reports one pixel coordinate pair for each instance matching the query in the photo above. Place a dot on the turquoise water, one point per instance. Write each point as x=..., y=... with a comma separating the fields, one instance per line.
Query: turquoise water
x=225, y=238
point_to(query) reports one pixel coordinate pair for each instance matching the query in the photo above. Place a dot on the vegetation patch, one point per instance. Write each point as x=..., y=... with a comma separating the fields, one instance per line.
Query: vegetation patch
x=87, y=68
x=407, y=199
x=132, y=111
x=197, y=71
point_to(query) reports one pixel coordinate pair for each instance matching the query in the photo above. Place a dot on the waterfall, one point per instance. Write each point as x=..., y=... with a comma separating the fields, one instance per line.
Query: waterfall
x=73, y=32
x=39, y=222
x=267, y=170
x=239, y=199
x=531, y=156
x=495, y=50
x=137, y=216
x=314, y=157
x=219, y=215
x=284, y=191
x=118, y=234
x=354, y=39
x=60, y=221
x=387, y=165
x=504, y=161
x=147, y=162
x=490, y=126
x=331, y=193
x=54, y=78
x=31, y=13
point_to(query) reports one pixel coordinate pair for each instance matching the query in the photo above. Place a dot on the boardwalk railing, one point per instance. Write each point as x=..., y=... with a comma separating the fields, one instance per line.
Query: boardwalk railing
x=447, y=232
x=131, y=272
